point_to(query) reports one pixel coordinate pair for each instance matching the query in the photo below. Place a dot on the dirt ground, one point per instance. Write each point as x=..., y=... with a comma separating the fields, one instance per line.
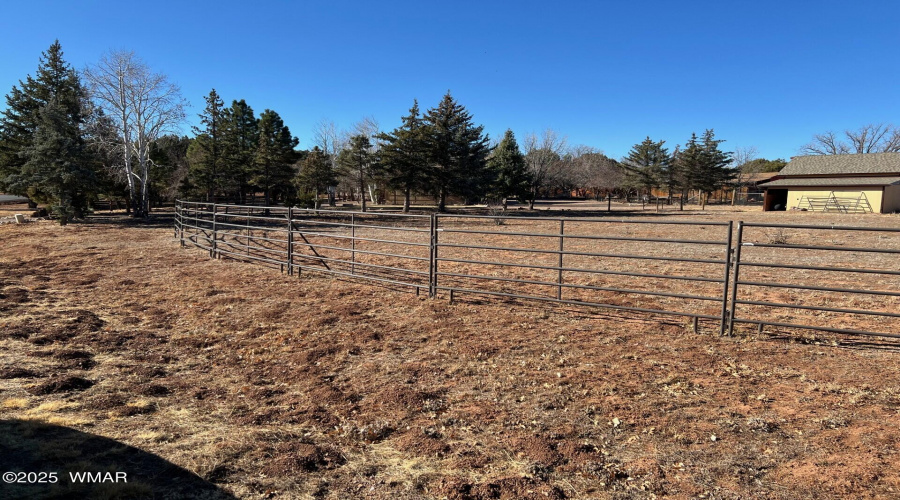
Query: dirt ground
x=249, y=383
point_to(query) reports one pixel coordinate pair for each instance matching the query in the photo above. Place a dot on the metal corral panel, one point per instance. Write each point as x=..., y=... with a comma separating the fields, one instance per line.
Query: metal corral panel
x=796, y=195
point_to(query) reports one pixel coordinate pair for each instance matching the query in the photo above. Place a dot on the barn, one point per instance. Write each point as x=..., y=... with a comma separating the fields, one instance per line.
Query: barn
x=850, y=183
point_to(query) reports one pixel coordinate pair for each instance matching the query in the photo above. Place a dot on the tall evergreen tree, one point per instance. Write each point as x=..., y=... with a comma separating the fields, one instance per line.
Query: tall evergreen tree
x=703, y=166
x=691, y=166
x=509, y=170
x=170, y=168
x=315, y=175
x=240, y=141
x=359, y=163
x=57, y=164
x=42, y=152
x=206, y=157
x=457, y=151
x=716, y=164
x=404, y=156
x=274, y=156
x=645, y=165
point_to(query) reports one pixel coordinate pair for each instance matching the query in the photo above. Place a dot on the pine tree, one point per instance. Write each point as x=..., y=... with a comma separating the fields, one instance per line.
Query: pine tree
x=240, y=141
x=509, y=170
x=704, y=166
x=315, y=175
x=206, y=156
x=691, y=166
x=57, y=167
x=404, y=157
x=274, y=156
x=359, y=163
x=645, y=165
x=170, y=167
x=42, y=152
x=717, y=166
x=457, y=151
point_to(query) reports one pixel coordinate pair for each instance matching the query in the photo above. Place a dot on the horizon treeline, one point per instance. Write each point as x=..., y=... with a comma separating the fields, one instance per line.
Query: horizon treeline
x=69, y=138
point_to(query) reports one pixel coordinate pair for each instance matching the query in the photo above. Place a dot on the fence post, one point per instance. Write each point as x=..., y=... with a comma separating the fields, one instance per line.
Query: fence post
x=431, y=256
x=562, y=239
x=181, y=222
x=249, y=212
x=290, y=242
x=352, y=244
x=434, y=256
x=727, y=275
x=212, y=249
x=737, y=270
x=197, y=224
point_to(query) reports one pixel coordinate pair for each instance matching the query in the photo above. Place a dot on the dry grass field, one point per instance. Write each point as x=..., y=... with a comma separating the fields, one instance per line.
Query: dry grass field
x=205, y=378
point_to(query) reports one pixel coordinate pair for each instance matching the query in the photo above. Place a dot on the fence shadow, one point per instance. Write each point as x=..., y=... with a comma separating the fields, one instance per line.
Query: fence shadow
x=31, y=446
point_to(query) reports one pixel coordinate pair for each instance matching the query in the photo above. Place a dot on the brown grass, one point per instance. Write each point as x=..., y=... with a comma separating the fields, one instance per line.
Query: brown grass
x=269, y=385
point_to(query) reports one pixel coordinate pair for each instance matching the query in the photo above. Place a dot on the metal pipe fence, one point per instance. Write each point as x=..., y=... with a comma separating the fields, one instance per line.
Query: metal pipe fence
x=345, y=243
x=698, y=270
x=565, y=265
x=868, y=296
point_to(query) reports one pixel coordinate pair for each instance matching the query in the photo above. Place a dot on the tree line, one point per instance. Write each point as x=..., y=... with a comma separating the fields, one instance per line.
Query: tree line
x=67, y=138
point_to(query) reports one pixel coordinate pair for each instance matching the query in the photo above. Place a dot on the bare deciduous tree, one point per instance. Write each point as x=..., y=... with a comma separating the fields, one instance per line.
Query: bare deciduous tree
x=872, y=138
x=143, y=106
x=369, y=127
x=540, y=155
x=744, y=169
x=597, y=173
x=331, y=141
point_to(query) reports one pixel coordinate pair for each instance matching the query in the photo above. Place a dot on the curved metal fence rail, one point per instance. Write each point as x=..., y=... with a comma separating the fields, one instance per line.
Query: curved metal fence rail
x=344, y=243
x=837, y=279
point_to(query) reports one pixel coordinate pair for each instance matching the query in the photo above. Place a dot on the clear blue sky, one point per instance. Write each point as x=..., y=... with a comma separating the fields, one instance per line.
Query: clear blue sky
x=605, y=74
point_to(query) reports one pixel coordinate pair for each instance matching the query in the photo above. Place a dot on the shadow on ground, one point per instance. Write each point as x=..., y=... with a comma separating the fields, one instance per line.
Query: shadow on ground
x=28, y=446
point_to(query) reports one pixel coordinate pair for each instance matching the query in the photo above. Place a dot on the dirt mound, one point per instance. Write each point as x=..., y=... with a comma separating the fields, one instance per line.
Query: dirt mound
x=294, y=457
x=20, y=332
x=149, y=371
x=12, y=296
x=16, y=372
x=507, y=488
x=426, y=442
x=75, y=359
x=154, y=390
x=107, y=401
x=66, y=326
x=61, y=384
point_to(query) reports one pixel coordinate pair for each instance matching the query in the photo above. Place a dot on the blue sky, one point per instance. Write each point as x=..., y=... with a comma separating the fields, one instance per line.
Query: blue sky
x=605, y=74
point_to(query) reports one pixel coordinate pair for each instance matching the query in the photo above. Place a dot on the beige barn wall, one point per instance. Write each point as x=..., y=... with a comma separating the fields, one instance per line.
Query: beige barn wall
x=795, y=194
x=891, y=199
